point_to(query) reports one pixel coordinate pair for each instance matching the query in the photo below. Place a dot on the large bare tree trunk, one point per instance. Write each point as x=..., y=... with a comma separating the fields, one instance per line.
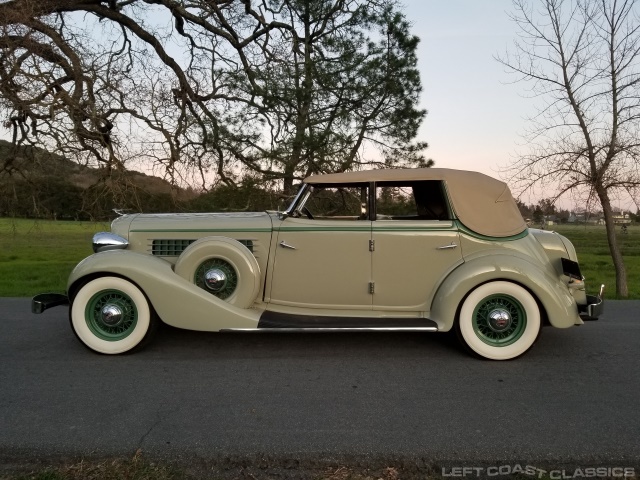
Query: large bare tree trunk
x=622, y=289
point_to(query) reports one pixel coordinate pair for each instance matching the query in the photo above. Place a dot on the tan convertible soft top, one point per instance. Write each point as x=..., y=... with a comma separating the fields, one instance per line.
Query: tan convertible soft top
x=482, y=203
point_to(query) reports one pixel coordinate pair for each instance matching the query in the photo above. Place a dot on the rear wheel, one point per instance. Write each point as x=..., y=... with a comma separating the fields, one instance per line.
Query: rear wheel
x=111, y=315
x=499, y=321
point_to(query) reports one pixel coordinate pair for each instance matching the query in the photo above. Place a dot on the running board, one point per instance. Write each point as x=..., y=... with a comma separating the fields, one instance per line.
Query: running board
x=286, y=322
x=332, y=329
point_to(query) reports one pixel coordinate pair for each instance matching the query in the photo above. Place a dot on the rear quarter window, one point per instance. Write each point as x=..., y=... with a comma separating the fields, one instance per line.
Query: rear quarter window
x=418, y=200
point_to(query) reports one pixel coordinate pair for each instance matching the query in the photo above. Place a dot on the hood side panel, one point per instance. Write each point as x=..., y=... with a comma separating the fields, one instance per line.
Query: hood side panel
x=167, y=235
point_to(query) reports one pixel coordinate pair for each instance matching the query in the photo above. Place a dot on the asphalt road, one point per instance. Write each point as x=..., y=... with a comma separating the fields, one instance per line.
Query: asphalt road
x=573, y=398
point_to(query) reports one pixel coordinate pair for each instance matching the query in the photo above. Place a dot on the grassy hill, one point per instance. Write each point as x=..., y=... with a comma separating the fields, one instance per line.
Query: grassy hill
x=40, y=184
x=33, y=162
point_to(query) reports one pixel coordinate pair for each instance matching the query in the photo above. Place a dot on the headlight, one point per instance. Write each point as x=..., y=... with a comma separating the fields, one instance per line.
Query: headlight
x=104, y=241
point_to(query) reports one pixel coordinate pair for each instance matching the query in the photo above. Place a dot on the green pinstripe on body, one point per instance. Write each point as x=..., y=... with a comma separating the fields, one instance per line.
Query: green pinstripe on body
x=457, y=225
x=197, y=230
x=473, y=234
x=435, y=228
x=324, y=229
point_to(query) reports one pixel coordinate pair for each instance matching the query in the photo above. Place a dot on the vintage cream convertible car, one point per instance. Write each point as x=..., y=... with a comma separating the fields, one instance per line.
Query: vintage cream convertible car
x=425, y=250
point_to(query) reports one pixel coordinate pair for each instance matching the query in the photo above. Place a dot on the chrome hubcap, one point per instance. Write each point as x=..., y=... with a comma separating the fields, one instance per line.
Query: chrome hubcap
x=499, y=320
x=215, y=279
x=111, y=315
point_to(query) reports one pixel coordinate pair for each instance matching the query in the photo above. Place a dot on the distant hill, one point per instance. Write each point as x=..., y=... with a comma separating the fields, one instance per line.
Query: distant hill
x=34, y=162
x=41, y=184
x=36, y=183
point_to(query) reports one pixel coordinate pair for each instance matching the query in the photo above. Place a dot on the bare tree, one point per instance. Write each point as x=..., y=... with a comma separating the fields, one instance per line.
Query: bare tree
x=582, y=60
x=88, y=77
x=209, y=85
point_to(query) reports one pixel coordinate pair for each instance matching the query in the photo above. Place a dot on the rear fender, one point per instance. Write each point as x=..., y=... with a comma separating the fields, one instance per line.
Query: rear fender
x=177, y=301
x=551, y=293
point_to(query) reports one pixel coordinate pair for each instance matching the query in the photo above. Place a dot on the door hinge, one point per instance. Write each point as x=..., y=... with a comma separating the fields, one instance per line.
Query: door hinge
x=372, y=245
x=372, y=288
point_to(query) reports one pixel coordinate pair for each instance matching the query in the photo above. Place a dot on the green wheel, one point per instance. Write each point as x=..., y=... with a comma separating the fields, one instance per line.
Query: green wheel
x=111, y=315
x=218, y=277
x=499, y=320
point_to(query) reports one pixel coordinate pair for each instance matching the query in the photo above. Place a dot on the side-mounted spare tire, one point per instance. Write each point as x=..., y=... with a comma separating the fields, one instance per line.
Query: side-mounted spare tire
x=223, y=267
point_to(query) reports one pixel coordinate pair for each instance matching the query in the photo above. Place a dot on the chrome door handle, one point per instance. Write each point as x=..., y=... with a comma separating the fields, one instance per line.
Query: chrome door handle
x=286, y=245
x=447, y=247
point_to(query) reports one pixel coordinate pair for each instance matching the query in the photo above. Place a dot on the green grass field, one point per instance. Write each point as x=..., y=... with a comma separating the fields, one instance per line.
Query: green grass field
x=37, y=256
x=595, y=262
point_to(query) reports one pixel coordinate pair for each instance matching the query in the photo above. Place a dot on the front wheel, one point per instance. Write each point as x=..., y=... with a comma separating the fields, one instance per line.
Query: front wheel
x=111, y=315
x=499, y=320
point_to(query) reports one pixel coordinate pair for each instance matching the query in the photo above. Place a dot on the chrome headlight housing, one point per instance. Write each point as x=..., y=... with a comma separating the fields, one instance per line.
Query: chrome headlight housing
x=104, y=241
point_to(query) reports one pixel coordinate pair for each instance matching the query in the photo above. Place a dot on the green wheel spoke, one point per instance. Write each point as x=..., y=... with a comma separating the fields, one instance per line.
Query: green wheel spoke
x=118, y=302
x=217, y=264
x=513, y=320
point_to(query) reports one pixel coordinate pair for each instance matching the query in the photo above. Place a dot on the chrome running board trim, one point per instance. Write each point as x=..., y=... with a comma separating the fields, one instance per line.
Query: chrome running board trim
x=333, y=329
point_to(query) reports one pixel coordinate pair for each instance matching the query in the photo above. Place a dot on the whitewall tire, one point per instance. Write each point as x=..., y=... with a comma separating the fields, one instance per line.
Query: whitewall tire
x=499, y=320
x=223, y=267
x=111, y=315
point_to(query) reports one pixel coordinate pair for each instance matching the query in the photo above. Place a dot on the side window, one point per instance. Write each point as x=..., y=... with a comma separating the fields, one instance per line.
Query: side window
x=421, y=200
x=336, y=203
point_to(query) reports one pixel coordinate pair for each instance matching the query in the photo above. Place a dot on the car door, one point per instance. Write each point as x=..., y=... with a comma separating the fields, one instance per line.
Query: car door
x=323, y=261
x=414, y=245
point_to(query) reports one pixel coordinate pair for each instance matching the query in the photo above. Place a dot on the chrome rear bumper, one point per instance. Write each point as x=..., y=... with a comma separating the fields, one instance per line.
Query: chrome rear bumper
x=44, y=301
x=594, y=307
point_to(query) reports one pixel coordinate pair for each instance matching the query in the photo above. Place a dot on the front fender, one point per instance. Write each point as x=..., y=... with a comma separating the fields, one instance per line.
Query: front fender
x=552, y=294
x=178, y=302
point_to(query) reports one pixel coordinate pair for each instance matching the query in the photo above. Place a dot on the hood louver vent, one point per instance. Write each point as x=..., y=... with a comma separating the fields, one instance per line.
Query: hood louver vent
x=173, y=248
x=169, y=248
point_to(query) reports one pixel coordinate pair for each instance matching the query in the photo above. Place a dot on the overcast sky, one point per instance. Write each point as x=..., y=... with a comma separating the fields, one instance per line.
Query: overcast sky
x=474, y=113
